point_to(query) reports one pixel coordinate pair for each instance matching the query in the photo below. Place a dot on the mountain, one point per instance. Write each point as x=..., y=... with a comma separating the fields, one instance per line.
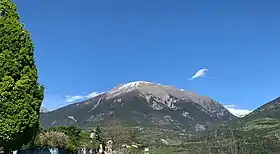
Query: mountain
x=266, y=117
x=270, y=109
x=143, y=104
x=257, y=132
x=43, y=109
x=262, y=122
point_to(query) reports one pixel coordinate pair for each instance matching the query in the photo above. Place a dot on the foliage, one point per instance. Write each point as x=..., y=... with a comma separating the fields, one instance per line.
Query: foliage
x=119, y=135
x=31, y=143
x=52, y=139
x=74, y=133
x=257, y=135
x=87, y=142
x=74, y=136
x=20, y=93
x=98, y=134
x=131, y=150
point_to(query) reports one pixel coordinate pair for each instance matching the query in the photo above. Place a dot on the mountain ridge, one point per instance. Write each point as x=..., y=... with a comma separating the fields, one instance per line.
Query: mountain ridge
x=142, y=103
x=265, y=120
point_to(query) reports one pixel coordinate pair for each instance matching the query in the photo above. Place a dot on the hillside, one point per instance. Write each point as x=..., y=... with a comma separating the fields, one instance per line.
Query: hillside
x=270, y=109
x=142, y=104
x=258, y=132
x=262, y=122
x=265, y=117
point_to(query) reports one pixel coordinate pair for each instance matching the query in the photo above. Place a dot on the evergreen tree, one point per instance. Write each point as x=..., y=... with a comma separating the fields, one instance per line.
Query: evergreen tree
x=98, y=134
x=20, y=93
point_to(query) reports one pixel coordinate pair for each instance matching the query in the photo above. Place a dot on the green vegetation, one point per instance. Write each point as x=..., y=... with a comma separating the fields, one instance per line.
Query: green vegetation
x=20, y=93
x=72, y=132
x=52, y=139
x=21, y=96
x=169, y=150
x=73, y=138
x=98, y=138
x=228, y=139
x=66, y=137
x=244, y=136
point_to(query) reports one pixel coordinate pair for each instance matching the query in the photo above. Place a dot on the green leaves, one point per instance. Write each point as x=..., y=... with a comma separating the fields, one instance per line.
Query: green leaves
x=73, y=132
x=51, y=139
x=20, y=93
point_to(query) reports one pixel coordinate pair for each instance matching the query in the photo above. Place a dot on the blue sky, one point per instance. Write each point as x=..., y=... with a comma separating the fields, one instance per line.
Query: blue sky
x=91, y=46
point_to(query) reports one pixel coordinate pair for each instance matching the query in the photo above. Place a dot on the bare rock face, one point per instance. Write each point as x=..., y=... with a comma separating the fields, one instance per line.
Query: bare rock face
x=167, y=96
x=143, y=103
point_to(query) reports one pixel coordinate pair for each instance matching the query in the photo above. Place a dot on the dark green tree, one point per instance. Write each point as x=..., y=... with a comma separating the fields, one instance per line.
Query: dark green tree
x=98, y=132
x=98, y=136
x=20, y=93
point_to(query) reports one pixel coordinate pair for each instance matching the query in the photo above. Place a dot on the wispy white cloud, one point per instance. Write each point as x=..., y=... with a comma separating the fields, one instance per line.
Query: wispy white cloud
x=237, y=112
x=70, y=99
x=199, y=73
x=73, y=98
x=93, y=94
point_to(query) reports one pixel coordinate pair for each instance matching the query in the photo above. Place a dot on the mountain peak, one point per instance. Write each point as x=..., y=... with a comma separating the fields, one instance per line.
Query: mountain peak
x=43, y=109
x=141, y=86
x=163, y=92
x=122, y=88
x=135, y=84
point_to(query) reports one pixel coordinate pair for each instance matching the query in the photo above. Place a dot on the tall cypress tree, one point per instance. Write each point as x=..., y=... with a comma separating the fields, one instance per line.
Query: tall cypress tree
x=20, y=93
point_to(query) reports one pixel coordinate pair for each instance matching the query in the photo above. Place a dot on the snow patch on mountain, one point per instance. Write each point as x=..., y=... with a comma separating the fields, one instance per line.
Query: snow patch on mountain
x=72, y=118
x=124, y=88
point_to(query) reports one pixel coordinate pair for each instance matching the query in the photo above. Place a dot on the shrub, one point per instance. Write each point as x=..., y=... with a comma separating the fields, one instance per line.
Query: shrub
x=52, y=139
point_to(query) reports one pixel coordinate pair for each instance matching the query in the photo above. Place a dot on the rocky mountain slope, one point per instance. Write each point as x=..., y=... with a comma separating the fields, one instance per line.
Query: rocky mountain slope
x=142, y=104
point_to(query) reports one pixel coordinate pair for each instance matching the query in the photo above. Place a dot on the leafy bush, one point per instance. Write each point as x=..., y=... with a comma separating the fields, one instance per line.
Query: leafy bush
x=52, y=139
x=74, y=133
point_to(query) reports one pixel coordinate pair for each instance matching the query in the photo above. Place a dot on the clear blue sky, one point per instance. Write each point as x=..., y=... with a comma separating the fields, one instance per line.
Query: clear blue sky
x=86, y=46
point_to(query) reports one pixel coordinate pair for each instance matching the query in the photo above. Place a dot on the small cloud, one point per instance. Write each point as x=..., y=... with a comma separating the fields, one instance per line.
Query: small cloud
x=91, y=95
x=199, y=73
x=237, y=112
x=70, y=99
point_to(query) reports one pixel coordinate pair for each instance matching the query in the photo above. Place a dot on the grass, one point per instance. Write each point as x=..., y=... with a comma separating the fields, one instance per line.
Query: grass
x=262, y=124
x=167, y=150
